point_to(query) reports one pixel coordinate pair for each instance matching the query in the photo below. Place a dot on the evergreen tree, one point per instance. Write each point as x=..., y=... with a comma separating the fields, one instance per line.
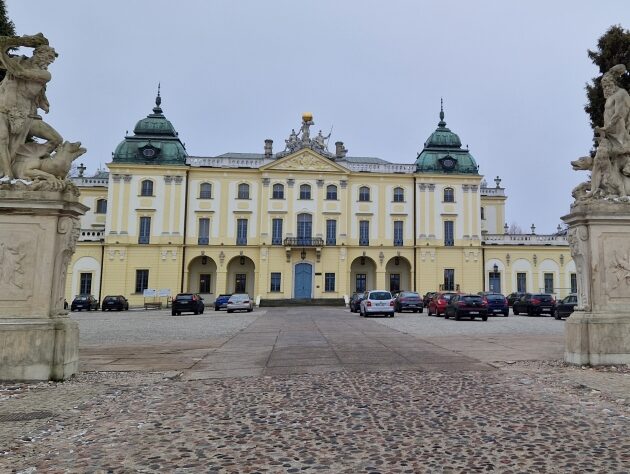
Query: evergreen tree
x=7, y=28
x=612, y=48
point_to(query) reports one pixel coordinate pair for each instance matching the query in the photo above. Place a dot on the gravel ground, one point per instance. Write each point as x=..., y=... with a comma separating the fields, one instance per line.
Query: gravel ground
x=140, y=326
x=420, y=324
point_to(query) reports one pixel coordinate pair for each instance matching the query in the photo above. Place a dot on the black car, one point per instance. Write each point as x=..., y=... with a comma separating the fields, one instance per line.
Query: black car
x=565, y=307
x=470, y=306
x=408, y=300
x=117, y=302
x=187, y=302
x=534, y=304
x=512, y=297
x=87, y=302
x=497, y=303
x=355, y=302
x=221, y=302
x=427, y=297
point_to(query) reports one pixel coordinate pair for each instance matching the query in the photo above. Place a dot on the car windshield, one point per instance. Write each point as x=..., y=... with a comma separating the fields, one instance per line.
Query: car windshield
x=184, y=297
x=495, y=297
x=239, y=298
x=380, y=295
x=409, y=294
x=81, y=298
x=543, y=297
x=448, y=296
x=471, y=299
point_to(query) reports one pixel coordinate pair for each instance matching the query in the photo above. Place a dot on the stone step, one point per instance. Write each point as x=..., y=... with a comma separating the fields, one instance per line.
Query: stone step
x=302, y=302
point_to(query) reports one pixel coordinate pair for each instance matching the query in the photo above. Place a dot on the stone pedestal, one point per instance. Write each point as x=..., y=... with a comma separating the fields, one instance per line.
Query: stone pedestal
x=598, y=332
x=38, y=234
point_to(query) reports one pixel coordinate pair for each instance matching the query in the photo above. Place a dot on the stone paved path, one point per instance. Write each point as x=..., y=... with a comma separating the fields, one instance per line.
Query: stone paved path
x=301, y=391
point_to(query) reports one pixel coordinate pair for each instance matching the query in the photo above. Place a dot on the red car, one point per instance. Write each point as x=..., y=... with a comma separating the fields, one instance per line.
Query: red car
x=437, y=305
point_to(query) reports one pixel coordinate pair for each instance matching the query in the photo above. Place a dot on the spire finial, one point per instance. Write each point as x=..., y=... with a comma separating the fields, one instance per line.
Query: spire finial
x=442, y=122
x=158, y=101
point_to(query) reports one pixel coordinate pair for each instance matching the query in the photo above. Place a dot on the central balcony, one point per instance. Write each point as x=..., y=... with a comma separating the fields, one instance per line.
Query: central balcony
x=303, y=242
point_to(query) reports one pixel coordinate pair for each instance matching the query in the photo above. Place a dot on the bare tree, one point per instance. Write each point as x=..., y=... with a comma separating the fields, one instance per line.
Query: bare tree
x=515, y=229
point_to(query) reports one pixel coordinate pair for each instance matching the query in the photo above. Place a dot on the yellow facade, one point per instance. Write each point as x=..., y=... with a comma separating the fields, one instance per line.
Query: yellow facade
x=263, y=224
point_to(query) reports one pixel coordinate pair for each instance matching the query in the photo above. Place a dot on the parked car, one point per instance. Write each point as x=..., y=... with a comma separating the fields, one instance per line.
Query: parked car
x=240, y=302
x=187, y=302
x=469, y=306
x=355, y=302
x=438, y=302
x=221, y=302
x=81, y=302
x=565, y=307
x=512, y=297
x=497, y=303
x=117, y=302
x=427, y=298
x=534, y=304
x=408, y=300
x=377, y=302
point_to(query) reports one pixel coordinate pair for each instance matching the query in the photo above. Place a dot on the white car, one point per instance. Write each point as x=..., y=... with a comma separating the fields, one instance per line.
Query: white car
x=240, y=302
x=377, y=302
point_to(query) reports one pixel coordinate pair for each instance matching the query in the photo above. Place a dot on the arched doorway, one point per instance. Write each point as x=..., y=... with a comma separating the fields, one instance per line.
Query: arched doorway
x=398, y=275
x=240, y=275
x=202, y=277
x=362, y=274
x=303, y=280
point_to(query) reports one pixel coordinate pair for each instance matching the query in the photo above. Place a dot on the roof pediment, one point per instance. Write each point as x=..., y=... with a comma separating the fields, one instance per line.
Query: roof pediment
x=305, y=160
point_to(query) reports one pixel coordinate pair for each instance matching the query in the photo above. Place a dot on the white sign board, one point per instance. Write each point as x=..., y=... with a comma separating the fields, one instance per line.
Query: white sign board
x=164, y=292
x=149, y=293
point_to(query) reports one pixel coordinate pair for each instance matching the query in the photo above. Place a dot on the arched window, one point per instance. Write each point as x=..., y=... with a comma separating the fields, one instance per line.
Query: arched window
x=205, y=191
x=146, y=188
x=101, y=206
x=399, y=195
x=331, y=192
x=449, y=195
x=243, y=191
x=305, y=191
x=304, y=228
x=364, y=193
x=278, y=191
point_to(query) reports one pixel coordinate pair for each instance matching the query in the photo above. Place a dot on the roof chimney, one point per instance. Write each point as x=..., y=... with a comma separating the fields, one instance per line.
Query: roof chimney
x=340, y=150
x=268, y=148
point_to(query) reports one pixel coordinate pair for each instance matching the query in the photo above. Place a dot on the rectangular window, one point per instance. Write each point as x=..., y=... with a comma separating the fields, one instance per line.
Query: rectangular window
x=276, y=278
x=364, y=232
x=145, y=230
x=449, y=234
x=240, y=282
x=573, y=282
x=331, y=232
x=548, y=282
x=204, y=231
x=394, y=282
x=361, y=282
x=142, y=280
x=329, y=282
x=521, y=282
x=276, y=232
x=331, y=192
x=449, y=279
x=241, y=232
x=398, y=233
x=204, y=283
x=85, y=285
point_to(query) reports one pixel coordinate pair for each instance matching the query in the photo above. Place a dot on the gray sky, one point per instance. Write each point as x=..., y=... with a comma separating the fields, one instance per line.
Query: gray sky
x=512, y=75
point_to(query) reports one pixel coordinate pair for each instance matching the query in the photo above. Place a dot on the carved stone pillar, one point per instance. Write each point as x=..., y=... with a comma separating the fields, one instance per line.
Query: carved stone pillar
x=598, y=332
x=38, y=235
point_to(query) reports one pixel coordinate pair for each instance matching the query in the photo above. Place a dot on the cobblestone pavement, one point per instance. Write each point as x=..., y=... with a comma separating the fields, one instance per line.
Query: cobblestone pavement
x=460, y=416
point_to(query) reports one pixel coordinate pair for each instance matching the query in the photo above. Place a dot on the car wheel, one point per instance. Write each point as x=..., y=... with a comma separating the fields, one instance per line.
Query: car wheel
x=484, y=318
x=249, y=310
x=230, y=310
x=391, y=315
x=420, y=310
x=457, y=317
x=446, y=316
x=515, y=311
x=506, y=314
x=556, y=315
x=173, y=313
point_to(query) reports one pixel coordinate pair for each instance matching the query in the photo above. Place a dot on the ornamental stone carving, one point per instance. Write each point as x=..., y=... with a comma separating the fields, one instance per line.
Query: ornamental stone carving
x=305, y=162
x=578, y=243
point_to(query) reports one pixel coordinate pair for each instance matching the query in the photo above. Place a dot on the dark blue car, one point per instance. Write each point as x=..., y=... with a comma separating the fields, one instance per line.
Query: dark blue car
x=497, y=303
x=221, y=302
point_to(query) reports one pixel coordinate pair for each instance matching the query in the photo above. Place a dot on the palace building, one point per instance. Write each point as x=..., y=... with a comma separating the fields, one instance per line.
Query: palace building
x=304, y=222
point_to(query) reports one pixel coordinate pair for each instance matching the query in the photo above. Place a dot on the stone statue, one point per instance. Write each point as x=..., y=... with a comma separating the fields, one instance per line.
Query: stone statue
x=22, y=94
x=320, y=141
x=305, y=130
x=610, y=168
x=292, y=142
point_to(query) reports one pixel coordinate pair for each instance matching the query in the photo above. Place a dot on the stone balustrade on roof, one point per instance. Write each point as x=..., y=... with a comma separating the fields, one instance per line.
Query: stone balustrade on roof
x=524, y=239
x=492, y=191
x=84, y=181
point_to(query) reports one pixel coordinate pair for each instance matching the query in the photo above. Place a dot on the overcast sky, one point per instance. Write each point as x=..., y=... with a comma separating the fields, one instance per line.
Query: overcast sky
x=233, y=73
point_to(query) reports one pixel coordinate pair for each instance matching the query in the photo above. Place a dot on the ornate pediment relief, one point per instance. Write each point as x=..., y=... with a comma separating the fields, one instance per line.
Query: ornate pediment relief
x=306, y=160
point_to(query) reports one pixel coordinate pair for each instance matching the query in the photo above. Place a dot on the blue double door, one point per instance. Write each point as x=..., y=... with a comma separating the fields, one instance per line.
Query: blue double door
x=303, y=281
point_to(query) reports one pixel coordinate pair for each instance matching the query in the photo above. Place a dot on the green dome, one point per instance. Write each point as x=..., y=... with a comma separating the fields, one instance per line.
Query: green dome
x=443, y=153
x=155, y=141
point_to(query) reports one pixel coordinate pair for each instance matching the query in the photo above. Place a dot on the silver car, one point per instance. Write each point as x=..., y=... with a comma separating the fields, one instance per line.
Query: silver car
x=377, y=302
x=240, y=302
